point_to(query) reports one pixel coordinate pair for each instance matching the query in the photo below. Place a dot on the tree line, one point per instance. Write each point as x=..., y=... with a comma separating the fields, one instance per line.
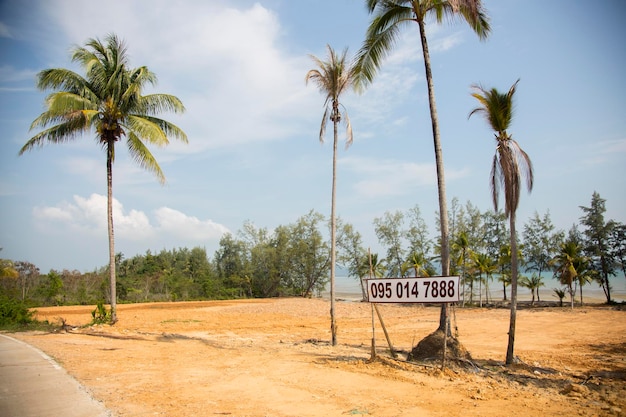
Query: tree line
x=294, y=260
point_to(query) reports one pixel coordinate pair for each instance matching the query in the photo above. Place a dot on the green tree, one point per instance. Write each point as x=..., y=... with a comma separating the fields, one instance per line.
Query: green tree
x=461, y=245
x=510, y=163
x=617, y=243
x=388, y=229
x=333, y=77
x=533, y=283
x=309, y=254
x=483, y=264
x=372, y=266
x=351, y=252
x=109, y=101
x=494, y=232
x=596, y=245
x=564, y=268
x=417, y=234
x=389, y=17
x=420, y=264
x=540, y=243
x=230, y=264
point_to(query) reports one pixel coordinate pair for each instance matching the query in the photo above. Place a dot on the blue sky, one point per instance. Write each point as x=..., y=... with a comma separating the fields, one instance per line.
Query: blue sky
x=252, y=123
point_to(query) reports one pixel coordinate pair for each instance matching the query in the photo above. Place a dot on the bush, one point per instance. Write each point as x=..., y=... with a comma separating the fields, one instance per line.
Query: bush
x=101, y=315
x=14, y=312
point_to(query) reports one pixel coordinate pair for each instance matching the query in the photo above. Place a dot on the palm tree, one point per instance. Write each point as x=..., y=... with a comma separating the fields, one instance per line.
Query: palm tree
x=510, y=163
x=381, y=35
x=108, y=101
x=461, y=243
x=483, y=264
x=504, y=261
x=419, y=263
x=584, y=275
x=533, y=283
x=334, y=77
x=564, y=266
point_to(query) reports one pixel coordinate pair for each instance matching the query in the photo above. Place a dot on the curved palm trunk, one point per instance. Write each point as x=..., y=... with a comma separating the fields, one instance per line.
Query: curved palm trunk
x=441, y=183
x=510, y=355
x=110, y=153
x=333, y=323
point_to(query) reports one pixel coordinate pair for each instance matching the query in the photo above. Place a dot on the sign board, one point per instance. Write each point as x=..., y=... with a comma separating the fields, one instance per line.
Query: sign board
x=413, y=290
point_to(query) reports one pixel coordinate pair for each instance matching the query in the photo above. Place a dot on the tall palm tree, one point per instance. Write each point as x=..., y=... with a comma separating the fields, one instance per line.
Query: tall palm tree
x=389, y=17
x=109, y=102
x=510, y=163
x=333, y=77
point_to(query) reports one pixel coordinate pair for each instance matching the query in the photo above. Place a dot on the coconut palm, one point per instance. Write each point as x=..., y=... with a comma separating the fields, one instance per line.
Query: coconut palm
x=483, y=264
x=510, y=163
x=419, y=263
x=333, y=77
x=461, y=243
x=109, y=102
x=389, y=16
x=565, y=266
x=533, y=283
x=584, y=274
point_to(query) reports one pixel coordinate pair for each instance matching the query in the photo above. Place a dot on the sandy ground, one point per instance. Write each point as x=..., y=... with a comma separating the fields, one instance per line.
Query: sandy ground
x=273, y=358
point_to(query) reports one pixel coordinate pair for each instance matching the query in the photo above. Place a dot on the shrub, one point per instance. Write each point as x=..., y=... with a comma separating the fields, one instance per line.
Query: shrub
x=14, y=312
x=101, y=314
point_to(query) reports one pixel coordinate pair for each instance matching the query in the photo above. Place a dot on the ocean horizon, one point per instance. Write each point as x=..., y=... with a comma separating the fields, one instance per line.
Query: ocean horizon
x=349, y=288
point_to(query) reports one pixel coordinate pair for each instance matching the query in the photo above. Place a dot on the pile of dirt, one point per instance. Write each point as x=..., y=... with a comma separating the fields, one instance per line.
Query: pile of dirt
x=431, y=349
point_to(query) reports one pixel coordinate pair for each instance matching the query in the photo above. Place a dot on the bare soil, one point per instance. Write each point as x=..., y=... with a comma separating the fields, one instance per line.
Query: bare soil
x=272, y=357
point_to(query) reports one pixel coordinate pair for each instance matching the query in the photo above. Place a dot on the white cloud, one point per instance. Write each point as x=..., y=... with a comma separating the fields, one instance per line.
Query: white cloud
x=224, y=62
x=88, y=216
x=176, y=223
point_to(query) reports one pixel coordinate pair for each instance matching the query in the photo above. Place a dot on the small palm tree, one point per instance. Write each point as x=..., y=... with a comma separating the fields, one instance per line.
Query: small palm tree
x=461, y=243
x=389, y=17
x=510, y=163
x=560, y=293
x=584, y=274
x=333, y=77
x=564, y=266
x=372, y=267
x=109, y=102
x=483, y=264
x=533, y=283
x=419, y=263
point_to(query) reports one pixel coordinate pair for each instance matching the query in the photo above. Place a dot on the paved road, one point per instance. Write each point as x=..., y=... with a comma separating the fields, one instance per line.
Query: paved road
x=34, y=385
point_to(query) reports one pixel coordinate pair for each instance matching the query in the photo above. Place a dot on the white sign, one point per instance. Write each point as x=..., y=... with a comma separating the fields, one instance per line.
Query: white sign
x=413, y=290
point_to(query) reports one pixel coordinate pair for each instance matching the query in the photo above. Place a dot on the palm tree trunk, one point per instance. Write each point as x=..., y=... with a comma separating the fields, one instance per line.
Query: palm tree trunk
x=110, y=153
x=581, y=294
x=510, y=351
x=480, y=290
x=441, y=182
x=333, y=323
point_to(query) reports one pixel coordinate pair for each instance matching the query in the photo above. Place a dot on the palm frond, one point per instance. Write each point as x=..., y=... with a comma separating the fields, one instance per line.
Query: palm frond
x=143, y=157
x=381, y=35
x=349, y=137
x=324, y=123
x=154, y=104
